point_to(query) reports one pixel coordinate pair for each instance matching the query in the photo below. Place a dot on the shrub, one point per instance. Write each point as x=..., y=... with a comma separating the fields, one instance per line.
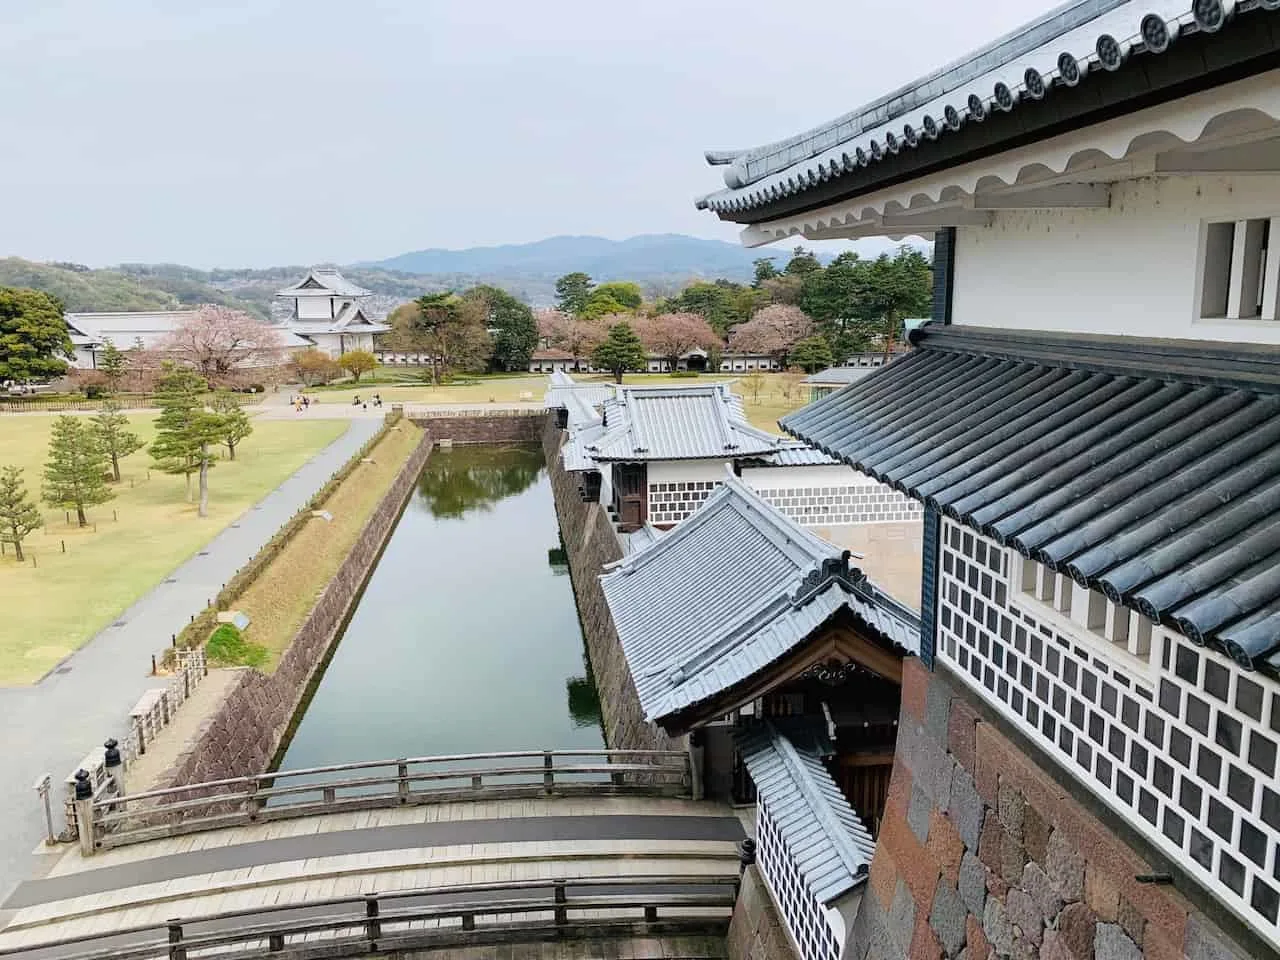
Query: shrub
x=227, y=647
x=681, y=374
x=94, y=390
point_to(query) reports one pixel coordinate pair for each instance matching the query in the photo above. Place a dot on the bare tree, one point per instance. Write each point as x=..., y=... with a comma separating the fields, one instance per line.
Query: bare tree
x=672, y=335
x=217, y=340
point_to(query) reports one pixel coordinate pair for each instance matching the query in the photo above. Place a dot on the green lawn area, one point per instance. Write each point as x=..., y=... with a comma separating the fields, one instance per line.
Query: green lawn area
x=53, y=607
x=283, y=594
x=780, y=393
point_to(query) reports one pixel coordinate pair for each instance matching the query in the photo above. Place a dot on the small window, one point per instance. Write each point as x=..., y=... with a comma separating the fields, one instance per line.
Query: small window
x=1238, y=279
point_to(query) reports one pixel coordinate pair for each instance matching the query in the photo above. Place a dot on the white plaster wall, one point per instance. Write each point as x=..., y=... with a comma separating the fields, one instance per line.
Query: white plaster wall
x=767, y=478
x=82, y=359
x=668, y=471
x=1132, y=268
x=1128, y=269
x=314, y=308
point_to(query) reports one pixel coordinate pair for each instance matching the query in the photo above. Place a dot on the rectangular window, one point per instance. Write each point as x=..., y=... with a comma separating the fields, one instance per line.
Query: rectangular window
x=1239, y=275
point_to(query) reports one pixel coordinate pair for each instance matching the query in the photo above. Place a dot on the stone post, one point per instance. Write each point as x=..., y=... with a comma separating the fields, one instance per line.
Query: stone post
x=114, y=763
x=84, y=813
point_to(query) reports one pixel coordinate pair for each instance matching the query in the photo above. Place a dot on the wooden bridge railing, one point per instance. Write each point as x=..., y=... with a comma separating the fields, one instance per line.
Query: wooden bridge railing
x=471, y=914
x=114, y=821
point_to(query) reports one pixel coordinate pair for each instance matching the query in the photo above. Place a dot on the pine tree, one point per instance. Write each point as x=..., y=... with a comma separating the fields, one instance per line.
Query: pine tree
x=18, y=515
x=185, y=430
x=109, y=427
x=235, y=422
x=175, y=448
x=621, y=351
x=112, y=366
x=74, y=475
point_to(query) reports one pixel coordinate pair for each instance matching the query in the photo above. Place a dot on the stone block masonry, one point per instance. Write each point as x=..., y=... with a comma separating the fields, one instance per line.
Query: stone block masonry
x=502, y=426
x=982, y=854
x=590, y=542
x=243, y=735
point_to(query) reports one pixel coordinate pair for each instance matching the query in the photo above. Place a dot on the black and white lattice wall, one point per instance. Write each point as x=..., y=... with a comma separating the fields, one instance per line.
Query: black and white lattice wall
x=1178, y=740
x=806, y=919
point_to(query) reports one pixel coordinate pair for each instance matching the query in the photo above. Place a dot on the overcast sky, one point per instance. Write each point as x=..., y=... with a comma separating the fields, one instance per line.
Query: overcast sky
x=260, y=133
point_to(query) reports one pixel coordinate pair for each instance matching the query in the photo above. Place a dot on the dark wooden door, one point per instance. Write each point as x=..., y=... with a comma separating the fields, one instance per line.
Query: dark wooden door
x=630, y=486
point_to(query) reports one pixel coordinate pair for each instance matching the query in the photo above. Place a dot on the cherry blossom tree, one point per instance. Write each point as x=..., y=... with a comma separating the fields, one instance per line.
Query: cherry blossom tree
x=218, y=341
x=672, y=335
x=573, y=334
x=772, y=331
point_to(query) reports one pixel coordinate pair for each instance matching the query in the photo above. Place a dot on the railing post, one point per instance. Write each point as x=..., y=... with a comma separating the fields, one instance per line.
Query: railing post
x=176, y=950
x=562, y=910
x=329, y=794
x=84, y=813
x=251, y=802
x=691, y=778
x=746, y=855
x=43, y=786
x=402, y=784
x=114, y=763
x=548, y=775
x=372, y=925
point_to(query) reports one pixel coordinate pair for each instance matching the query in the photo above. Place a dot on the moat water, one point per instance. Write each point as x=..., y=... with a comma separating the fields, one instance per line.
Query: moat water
x=466, y=639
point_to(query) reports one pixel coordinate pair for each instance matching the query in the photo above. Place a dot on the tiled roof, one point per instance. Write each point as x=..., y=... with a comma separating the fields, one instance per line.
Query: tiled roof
x=563, y=388
x=679, y=423
x=1014, y=73
x=1148, y=469
x=126, y=327
x=823, y=833
x=639, y=539
x=839, y=375
x=720, y=597
x=324, y=281
x=798, y=455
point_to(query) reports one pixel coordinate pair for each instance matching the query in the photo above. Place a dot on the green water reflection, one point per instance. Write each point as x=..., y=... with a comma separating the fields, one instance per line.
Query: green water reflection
x=466, y=638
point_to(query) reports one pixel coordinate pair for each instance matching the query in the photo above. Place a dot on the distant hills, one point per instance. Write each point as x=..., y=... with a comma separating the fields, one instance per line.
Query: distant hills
x=661, y=263
x=651, y=257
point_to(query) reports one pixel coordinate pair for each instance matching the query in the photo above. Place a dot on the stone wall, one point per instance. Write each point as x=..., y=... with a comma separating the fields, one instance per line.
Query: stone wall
x=756, y=931
x=242, y=736
x=590, y=542
x=983, y=854
x=500, y=426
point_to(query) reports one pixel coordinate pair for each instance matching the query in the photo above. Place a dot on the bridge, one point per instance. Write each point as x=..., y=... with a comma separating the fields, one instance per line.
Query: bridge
x=414, y=854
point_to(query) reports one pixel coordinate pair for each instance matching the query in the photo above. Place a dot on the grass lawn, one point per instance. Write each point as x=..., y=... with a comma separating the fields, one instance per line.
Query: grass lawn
x=281, y=597
x=54, y=607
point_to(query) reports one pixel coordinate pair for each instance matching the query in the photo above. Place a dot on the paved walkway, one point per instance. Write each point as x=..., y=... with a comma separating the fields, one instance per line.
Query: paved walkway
x=50, y=726
x=414, y=848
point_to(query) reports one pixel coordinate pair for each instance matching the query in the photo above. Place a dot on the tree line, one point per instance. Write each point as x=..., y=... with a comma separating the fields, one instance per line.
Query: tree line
x=805, y=314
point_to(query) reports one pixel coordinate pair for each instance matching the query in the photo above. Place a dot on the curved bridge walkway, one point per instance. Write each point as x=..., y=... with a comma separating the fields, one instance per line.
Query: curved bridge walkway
x=646, y=863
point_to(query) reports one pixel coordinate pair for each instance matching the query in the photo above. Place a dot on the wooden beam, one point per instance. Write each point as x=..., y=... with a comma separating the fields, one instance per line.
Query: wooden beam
x=881, y=759
x=838, y=641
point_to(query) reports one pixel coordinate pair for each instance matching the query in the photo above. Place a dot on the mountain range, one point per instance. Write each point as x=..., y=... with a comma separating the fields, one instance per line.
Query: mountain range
x=644, y=258
x=661, y=263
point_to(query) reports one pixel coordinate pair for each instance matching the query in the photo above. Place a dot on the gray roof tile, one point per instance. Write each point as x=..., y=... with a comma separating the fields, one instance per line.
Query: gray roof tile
x=724, y=595
x=823, y=833
x=679, y=423
x=1148, y=469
